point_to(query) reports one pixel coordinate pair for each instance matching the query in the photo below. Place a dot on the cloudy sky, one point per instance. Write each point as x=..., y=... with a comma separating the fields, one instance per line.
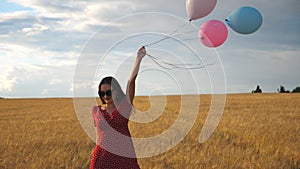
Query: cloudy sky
x=54, y=48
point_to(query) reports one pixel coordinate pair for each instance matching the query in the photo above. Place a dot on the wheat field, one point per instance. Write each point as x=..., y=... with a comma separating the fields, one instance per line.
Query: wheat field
x=256, y=131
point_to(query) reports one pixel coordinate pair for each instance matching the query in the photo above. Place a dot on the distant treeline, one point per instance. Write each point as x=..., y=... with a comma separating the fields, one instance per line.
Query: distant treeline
x=281, y=89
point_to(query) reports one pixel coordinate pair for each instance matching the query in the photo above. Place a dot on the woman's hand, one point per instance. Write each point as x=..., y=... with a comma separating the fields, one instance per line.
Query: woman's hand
x=141, y=52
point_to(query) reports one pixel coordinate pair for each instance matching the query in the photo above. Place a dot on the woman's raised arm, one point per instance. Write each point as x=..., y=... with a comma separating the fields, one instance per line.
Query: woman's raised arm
x=130, y=91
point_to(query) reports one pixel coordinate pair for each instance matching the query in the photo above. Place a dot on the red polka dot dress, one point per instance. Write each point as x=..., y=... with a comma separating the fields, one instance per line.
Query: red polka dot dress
x=114, y=149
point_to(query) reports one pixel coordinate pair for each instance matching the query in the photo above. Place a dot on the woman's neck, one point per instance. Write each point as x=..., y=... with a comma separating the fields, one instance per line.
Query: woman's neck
x=110, y=108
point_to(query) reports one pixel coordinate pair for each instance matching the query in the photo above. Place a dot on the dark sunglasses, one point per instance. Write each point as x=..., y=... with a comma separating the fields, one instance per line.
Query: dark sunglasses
x=103, y=93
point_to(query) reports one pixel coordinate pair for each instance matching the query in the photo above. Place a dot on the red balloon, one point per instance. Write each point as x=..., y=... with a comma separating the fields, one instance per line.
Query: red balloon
x=213, y=33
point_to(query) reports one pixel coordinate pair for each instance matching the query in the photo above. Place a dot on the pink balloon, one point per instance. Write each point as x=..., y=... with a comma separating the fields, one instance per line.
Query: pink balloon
x=199, y=8
x=213, y=33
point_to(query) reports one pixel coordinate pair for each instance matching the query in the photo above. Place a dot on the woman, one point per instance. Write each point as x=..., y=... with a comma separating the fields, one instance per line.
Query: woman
x=114, y=147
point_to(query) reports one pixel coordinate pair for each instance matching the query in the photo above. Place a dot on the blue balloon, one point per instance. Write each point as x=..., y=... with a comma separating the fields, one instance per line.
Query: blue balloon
x=245, y=20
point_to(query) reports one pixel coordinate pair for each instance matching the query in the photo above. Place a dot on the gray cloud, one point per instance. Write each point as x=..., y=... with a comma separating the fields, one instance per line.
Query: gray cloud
x=39, y=81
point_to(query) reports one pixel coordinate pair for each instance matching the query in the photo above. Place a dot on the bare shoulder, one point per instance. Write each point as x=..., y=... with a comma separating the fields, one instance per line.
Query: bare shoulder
x=102, y=107
x=98, y=107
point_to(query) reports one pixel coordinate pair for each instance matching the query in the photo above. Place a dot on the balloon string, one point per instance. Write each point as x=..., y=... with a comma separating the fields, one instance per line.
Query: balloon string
x=184, y=33
x=178, y=66
x=171, y=66
x=189, y=39
x=170, y=35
